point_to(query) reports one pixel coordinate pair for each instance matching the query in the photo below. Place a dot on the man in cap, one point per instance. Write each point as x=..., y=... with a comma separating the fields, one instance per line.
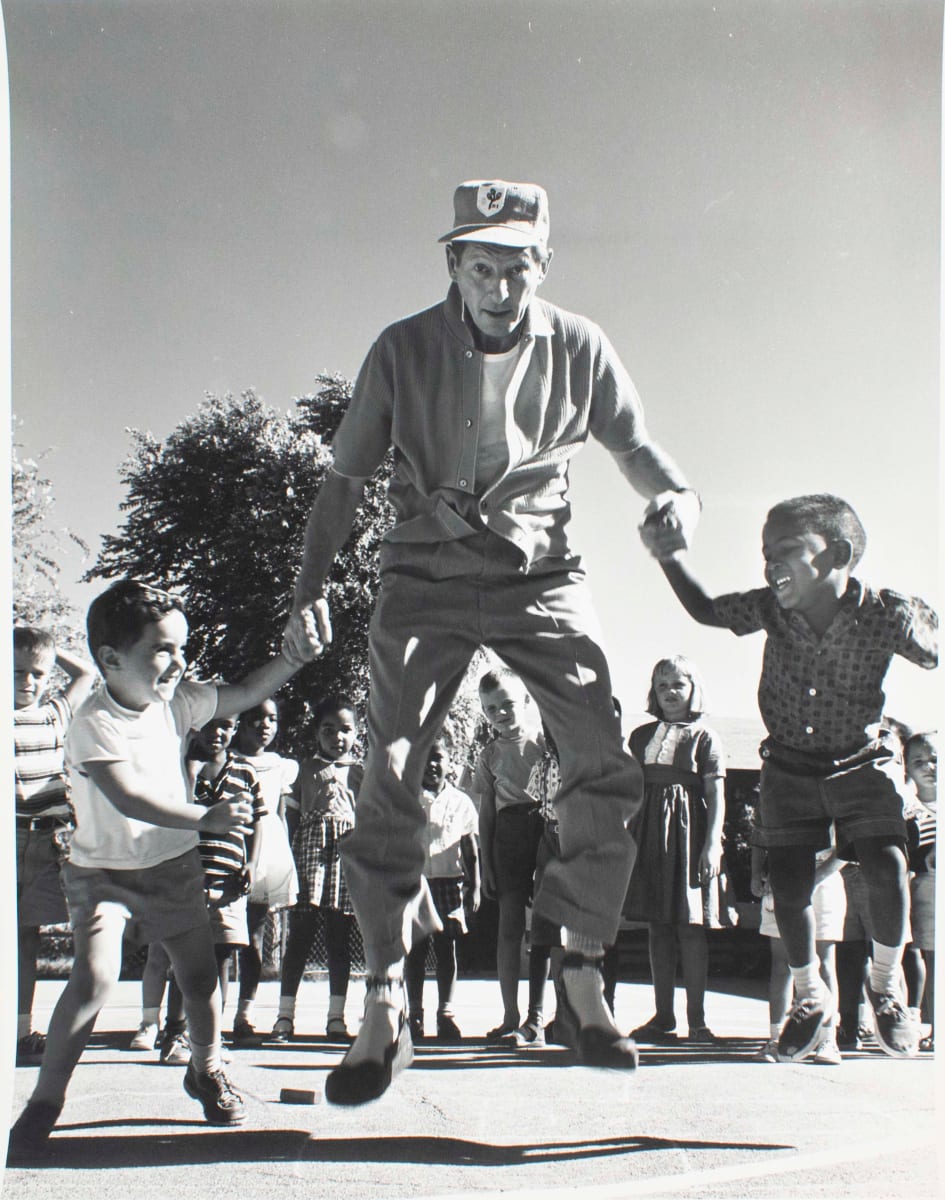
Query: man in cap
x=485, y=398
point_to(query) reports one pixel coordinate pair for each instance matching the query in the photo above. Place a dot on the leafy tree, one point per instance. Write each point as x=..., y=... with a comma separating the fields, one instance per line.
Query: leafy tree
x=37, y=547
x=217, y=511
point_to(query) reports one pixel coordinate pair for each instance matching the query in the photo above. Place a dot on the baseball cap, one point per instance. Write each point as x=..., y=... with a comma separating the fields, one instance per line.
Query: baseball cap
x=501, y=213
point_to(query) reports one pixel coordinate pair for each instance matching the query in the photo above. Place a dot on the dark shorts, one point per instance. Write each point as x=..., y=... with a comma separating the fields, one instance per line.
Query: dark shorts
x=518, y=831
x=801, y=796
x=154, y=903
x=543, y=931
x=39, y=896
x=447, y=893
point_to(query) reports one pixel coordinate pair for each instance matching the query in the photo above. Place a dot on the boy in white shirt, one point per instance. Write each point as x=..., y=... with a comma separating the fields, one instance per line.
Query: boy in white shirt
x=134, y=862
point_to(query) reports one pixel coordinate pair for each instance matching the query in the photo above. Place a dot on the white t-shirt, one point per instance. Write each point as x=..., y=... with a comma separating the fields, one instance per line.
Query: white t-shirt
x=499, y=440
x=152, y=742
x=450, y=816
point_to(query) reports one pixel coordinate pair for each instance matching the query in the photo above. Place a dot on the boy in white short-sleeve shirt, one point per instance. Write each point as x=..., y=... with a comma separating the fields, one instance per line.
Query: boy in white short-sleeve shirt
x=134, y=865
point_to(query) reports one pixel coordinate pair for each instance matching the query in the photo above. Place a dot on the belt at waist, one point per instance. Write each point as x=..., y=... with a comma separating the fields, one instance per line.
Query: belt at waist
x=43, y=823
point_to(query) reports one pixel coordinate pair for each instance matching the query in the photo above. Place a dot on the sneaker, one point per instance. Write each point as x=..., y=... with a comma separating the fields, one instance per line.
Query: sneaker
x=29, y=1049
x=446, y=1029
x=802, y=1032
x=222, y=1104
x=175, y=1048
x=33, y=1126
x=145, y=1037
x=828, y=1052
x=897, y=1031
x=527, y=1035
x=283, y=1030
x=702, y=1035
x=768, y=1052
x=337, y=1030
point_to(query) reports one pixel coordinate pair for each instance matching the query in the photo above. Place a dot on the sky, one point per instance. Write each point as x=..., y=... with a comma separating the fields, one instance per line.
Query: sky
x=215, y=195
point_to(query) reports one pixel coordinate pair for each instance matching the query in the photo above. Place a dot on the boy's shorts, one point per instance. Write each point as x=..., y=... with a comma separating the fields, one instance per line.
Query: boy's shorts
x=922, y=895
x=155, y=902
x=518, y=830
x=801, y=795
x=447, y=893
x=39, y=896
x=229, y=923
x=829, y=902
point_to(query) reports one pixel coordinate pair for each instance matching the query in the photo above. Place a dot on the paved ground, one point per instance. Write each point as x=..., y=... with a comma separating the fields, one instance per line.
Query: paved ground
x=468, y=1120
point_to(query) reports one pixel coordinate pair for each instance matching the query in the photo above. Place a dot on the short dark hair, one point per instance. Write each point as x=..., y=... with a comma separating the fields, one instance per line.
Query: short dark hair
x=927, y=737
x=332, y=703
x=497, y=677
x=121, y=613
x=830, y=516
x=33, y=640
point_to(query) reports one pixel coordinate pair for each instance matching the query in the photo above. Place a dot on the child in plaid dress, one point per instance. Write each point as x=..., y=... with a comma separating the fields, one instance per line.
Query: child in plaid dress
x=323, y=813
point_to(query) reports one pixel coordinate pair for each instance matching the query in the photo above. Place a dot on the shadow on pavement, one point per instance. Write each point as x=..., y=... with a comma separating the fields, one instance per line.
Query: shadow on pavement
x=175, y=1148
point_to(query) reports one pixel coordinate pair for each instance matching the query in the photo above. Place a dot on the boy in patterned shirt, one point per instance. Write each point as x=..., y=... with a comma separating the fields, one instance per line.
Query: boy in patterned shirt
x=830, y=640
x=43, y=812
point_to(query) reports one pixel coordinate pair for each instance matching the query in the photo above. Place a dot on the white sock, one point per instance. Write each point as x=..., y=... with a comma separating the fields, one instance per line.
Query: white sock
x=151, y=1016
x=287, y=1007
x=244, y=1010
x=582, y=944
x=774, y=1031
x=807, y=982
x=205, y=1058
x=884, y=970
x=336, y=1007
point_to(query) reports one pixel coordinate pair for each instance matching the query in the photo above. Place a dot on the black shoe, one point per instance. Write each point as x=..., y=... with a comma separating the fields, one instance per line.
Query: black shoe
x=244, y=1034
x=222, y=1104
x=367, y=1080
x=651, y=1033
x=446, y=1029
x=416, y=1027
x=30, y=1049
x=33, y=1127
x=596, y=1045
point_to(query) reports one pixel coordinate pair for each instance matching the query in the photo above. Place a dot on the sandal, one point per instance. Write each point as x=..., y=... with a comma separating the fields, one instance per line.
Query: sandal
x=596, y=1045
x=337, y=1030
x=369, y=1079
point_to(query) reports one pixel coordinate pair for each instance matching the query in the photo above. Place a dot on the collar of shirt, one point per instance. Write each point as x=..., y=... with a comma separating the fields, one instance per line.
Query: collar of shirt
x=535, y=323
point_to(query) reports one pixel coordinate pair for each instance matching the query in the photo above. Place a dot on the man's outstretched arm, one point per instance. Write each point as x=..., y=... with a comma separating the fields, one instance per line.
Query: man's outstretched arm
x=329, y=524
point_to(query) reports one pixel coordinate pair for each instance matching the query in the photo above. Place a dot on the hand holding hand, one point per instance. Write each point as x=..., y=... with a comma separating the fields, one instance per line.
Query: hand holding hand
x=307, y=633
x=669, y=523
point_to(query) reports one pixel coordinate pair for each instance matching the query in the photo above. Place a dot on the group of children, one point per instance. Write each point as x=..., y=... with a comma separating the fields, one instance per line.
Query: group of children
x=198, y=879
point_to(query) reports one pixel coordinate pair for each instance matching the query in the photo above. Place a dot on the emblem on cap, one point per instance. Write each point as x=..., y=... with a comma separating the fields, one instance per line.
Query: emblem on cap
x=490, y=199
